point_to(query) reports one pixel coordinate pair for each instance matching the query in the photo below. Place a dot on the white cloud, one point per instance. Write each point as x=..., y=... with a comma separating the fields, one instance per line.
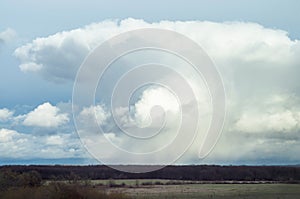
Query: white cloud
x=58, y=56
x=96, y=114
x=14, y=145
x=54, y=140
x=7, y=35
x=153, y=105
x=257, y=65
x=5, y=114
x=154, y=97
x=7, y=135
x=30, y=67
x=46, y=115
x=269, y=122
x=279, y=113
x=265, y=130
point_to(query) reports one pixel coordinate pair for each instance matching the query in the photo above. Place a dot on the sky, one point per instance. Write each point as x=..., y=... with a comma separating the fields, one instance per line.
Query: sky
x=253, y=44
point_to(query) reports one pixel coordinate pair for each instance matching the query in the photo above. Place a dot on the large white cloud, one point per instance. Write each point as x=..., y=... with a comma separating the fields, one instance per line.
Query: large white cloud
x=45, y=115
x=58, y=56
x=259, y=66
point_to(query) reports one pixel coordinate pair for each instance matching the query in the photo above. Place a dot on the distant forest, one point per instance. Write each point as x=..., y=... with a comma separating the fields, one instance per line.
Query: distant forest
x=290, y=174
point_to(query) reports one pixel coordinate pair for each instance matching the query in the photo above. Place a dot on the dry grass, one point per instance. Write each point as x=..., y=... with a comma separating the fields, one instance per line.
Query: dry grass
x=216, y=191
x=59, y=191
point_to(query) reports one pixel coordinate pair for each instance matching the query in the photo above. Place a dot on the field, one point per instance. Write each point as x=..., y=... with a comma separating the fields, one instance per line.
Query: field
x=139, y=189
x=54, y=182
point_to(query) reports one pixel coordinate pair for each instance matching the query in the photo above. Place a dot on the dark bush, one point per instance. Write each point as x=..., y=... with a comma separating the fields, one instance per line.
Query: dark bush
x=147, y=183
x=158, y=183
x=10, y=179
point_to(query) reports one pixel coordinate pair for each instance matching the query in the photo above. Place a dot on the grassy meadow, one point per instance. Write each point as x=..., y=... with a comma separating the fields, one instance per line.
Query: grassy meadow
x=230, y=191
x=151, y=189
x=159, y=189
x=177, y=189
x=32, y=185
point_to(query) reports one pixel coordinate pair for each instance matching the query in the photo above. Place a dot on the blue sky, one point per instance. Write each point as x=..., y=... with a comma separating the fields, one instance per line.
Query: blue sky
x=27, y=94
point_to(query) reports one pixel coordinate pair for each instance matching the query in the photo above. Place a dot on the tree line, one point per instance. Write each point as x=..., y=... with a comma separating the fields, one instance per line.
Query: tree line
x=183, y=172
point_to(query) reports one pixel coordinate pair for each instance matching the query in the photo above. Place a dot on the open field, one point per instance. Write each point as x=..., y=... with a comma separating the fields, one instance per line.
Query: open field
x=232, y=191
x=179, y=189
x=154, y=189
x=95, y=182
x=158, y=188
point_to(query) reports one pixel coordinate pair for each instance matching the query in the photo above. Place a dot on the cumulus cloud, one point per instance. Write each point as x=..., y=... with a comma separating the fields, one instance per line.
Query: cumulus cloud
x=58, y=56
x=257, y=65
x=46, y=115
x=5, y=114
